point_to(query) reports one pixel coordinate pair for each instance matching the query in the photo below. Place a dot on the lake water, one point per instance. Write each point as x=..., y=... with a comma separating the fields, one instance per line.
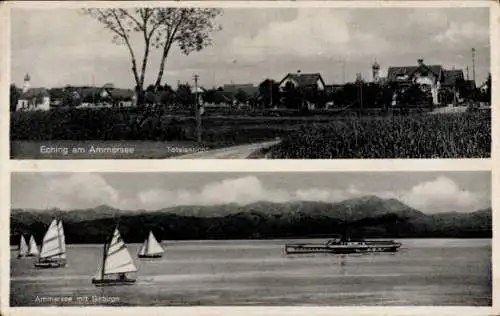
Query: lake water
x=233, y=272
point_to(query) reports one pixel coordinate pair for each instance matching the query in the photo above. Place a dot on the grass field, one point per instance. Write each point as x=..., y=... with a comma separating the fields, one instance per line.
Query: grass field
x=461, y=135
x=456, y=135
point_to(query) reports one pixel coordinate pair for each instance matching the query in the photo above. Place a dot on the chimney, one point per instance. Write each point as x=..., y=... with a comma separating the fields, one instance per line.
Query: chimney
x=420, y=61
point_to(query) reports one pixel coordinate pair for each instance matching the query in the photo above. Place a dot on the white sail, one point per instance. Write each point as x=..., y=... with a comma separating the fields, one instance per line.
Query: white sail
x=118, y=259
x=153, y=247
x=142, y=251
x=23, y=247
x=62, y=240
x=51, y=244
x=33, y=247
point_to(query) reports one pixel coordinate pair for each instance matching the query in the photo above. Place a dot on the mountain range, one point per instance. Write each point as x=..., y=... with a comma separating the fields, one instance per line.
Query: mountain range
x=367, y=216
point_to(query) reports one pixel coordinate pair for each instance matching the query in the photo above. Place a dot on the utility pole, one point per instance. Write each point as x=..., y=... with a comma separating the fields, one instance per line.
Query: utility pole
x=197, y=109
x=467, y=72
x=474, y=64
x=343, y=71
x=271, y=93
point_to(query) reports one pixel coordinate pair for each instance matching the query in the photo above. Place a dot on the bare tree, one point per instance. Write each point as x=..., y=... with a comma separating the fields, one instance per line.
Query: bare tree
x=160, y=28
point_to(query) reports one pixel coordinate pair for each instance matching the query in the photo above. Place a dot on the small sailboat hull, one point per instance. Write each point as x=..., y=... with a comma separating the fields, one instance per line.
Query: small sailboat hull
x=112, y=282
x=50, y=264
x=157, y=256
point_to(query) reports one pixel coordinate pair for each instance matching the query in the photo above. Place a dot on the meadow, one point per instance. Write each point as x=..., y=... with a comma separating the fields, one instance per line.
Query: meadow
x=456, y=135
x=464, y=135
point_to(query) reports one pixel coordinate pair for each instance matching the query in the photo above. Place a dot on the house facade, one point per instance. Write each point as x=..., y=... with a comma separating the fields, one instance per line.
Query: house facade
x=432, y=79
x=312, y=82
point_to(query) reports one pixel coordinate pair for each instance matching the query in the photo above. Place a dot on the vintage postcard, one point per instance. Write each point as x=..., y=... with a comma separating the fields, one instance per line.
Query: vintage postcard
x=251, y=239
x=249, y=157
x=241, y=80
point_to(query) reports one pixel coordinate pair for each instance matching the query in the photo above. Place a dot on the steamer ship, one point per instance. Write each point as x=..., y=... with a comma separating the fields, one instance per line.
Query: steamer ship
x=343, y=245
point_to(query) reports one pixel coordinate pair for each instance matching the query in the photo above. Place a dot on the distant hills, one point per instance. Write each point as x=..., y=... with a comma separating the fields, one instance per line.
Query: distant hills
x=368, y=217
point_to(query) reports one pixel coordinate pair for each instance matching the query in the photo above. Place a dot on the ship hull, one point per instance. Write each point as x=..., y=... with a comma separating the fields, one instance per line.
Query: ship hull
x=25, y=256
x=111, y=282
x=333, y=249
x=50, y=264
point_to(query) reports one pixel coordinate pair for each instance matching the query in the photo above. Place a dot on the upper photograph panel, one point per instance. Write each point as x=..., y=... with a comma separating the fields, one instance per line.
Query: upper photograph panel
x=243, y=83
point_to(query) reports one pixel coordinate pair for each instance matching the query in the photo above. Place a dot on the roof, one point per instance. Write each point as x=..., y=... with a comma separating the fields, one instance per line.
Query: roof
x=121, y=94
x=451, y=76
x=248, y=88
x=34, y=92
x=394, y=72
x=304, y=79
x=115, y=93
x=56, y=93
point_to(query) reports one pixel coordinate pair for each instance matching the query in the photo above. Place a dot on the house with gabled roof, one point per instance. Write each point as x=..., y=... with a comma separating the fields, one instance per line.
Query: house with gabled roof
x=431, y=78
x=303, y=80
x=33, y=99
x=311, y=86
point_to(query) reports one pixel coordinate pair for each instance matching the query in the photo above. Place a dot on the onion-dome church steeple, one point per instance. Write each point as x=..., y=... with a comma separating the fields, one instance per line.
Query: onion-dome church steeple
x=375, y=71
x=26, y=84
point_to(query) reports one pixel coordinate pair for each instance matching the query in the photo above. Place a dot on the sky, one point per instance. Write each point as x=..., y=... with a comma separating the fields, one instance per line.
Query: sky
x=58, y=47
x=429, y=192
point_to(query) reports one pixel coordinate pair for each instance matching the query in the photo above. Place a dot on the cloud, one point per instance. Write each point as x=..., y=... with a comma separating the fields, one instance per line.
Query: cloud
x=80, y=190
x=442, y=195
x=456, y=34
x=313, y=33
x=83, y=190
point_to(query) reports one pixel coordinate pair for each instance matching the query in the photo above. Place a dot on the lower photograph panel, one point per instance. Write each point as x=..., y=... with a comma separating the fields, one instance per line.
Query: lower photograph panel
x=268, y=238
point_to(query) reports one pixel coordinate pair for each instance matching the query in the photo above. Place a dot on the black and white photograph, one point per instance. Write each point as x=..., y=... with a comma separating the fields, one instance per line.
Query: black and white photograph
x=233, y=82
x=405, y=238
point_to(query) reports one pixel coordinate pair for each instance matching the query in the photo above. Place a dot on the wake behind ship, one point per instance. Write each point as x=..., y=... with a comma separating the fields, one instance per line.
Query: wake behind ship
x=343, y=245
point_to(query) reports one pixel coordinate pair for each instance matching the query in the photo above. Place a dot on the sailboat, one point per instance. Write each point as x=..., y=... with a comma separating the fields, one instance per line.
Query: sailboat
x=53, y=252
x=23, y=248
x=151, y=248
x=32, y=247
x=116, y=263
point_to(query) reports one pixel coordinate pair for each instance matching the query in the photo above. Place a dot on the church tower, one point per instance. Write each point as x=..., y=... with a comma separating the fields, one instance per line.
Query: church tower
x=376, y=71
x=27, y=83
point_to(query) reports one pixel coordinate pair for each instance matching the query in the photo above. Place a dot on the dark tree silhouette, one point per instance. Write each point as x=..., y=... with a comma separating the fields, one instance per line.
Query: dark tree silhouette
x=14, y=97
x=269, y=93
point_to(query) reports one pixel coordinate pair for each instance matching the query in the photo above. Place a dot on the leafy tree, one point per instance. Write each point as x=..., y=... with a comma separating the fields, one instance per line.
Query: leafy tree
x=291, y=96
x=71, y=98
x=184, y=97
x=14, y=97
x=209, y=95
x=269, y=93
x=160, y=28
x=241, y=96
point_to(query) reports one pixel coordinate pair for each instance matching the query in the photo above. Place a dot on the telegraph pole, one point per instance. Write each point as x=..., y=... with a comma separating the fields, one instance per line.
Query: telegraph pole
x=197, y=109
x=271, y=93
x=474, y=64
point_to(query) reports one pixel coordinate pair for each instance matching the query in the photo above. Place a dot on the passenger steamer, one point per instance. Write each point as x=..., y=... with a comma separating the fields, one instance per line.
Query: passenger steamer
x=342, y=245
